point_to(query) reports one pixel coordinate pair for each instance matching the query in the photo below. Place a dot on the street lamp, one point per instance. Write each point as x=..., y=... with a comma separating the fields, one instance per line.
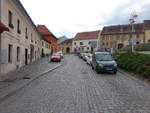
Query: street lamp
x=132, y=21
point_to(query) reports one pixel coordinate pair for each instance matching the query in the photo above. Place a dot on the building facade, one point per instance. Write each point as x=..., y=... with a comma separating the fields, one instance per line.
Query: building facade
x=49, y=36
x=65, y=46
x=22, y=44
x=86, y=41
x=147, y=30
x=119, y=36
x=46, y=48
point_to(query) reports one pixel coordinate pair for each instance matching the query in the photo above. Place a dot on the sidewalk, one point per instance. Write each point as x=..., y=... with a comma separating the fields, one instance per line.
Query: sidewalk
x=26, y=71
x=18, y=79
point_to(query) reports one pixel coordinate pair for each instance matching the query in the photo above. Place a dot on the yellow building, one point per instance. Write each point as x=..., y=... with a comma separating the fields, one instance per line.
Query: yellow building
x=46, y=48
x=147, y=30
x=65, y=46
x=119, y=36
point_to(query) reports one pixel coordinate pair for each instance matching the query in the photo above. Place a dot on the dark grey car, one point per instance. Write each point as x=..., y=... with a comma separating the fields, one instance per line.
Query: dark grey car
x=103, y=62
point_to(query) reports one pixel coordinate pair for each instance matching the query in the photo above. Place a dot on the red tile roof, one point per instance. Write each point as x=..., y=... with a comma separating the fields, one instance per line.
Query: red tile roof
x=87, y=35
x=3, y=27
x=43, y=30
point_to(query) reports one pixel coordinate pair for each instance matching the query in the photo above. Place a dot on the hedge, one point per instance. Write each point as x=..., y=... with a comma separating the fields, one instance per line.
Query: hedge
x=134, y=62
x=138, y=47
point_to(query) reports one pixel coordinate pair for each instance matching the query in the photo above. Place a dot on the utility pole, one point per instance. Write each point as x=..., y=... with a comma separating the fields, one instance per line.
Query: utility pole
x=99, y=40
x=132, y=21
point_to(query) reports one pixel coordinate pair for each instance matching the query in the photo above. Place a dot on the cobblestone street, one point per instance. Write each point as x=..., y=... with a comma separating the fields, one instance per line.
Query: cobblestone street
x=76, y=88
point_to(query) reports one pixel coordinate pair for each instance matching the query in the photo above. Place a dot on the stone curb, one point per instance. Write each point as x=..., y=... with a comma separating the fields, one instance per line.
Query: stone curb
x=135, y=79
x=9, y=93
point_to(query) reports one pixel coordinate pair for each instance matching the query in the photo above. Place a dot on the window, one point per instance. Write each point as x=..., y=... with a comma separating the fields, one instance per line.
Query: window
x=111, y=43
x=137, y=36
x=10, y=53
x=10, y=19
x=89, y=42
x=18, y=54
x=74, y=43
x=81, y=43
x=87, y=48
x=18, y=27
x=26, y=33
x=42, y=43
x=31, y=37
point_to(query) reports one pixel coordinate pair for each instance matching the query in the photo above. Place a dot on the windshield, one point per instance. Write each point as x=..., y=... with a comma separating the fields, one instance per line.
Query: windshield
x=55, y=55
x=104, y=57
x=88, y=54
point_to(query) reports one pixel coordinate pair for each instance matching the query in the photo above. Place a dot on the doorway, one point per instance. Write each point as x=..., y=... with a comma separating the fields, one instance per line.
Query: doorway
x=68, y=50
x=120, y=45
x=26, y=56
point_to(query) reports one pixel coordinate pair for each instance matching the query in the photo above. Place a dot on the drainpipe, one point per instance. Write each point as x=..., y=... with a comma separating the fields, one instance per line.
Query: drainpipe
x=1, y=2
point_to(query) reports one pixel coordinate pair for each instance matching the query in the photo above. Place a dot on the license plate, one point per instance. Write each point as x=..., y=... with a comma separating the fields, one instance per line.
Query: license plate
x=108, y=68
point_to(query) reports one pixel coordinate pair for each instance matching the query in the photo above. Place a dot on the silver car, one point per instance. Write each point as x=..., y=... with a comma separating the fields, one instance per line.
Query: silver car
x=88, y=58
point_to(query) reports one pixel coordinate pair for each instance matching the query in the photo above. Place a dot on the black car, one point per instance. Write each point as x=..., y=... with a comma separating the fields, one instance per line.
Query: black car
x=103, y=62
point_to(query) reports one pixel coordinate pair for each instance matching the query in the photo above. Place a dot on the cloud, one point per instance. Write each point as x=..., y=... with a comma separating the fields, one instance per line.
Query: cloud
x=122, y=13
x=67, y=17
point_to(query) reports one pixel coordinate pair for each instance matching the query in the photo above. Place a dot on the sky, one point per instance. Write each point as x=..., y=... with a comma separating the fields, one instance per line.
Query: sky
x=68, y=17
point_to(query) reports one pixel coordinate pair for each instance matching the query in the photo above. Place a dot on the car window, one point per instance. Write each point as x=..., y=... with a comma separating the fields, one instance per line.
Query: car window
x=104, y=57
x=56, y=55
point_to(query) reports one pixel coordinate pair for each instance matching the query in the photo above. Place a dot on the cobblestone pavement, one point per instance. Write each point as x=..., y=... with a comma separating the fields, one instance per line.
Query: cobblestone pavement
x=22, y=77
x=76, y=88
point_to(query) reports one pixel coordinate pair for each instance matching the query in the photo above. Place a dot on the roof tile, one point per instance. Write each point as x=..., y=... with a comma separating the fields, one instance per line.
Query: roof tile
x=87, y=35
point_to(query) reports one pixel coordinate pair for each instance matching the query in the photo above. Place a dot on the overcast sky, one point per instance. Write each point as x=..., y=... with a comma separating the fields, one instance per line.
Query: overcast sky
x=67, y=17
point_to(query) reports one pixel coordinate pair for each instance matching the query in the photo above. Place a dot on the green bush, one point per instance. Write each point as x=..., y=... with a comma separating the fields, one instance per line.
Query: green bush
x=139, y=47
x=134, y=62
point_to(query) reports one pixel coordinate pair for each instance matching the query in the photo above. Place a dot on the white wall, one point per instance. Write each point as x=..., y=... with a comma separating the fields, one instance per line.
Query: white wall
x=85, y=43
x=17, y=40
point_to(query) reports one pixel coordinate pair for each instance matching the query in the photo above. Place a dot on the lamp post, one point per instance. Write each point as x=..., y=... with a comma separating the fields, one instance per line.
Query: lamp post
x=132, y=21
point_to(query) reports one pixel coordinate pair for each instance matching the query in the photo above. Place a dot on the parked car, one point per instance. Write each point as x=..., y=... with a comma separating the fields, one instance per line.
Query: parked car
x=55, y=57
x=103, y=62
x=89, y=58
x=84, y=56
x=61, y=54
x=81, y=55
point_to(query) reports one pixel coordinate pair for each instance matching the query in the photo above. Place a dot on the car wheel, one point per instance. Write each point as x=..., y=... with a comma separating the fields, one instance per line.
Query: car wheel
x=92, y=67
x=115, y=72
